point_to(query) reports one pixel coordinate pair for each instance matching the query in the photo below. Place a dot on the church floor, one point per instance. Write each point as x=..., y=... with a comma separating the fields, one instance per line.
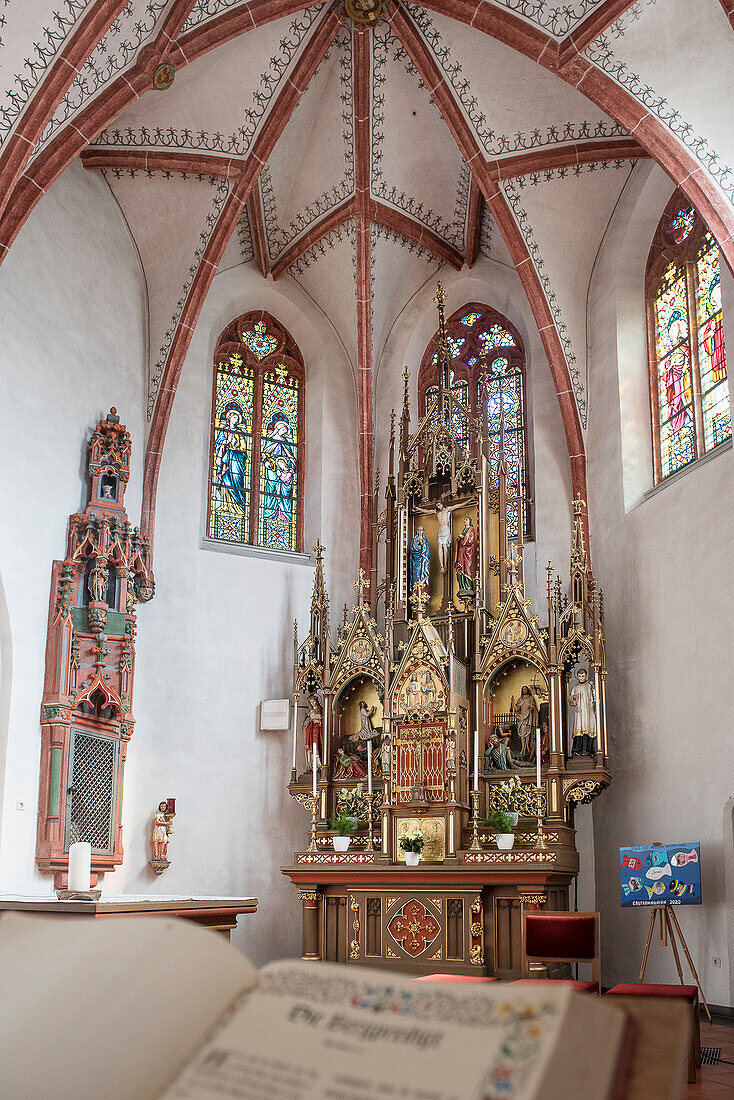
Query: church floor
x=716, y=1082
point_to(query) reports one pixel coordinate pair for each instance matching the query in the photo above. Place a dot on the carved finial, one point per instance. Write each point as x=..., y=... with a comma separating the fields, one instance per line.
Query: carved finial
x=419, y=598
x=360, y=585
x=318, y=550
x=440, y=296
x=392, y=427
x=451, y=629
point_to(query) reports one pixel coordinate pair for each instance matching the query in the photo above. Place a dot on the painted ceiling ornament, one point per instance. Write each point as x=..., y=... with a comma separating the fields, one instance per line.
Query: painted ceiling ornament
x=258, y=340
x=367, y=13
x=164, y=76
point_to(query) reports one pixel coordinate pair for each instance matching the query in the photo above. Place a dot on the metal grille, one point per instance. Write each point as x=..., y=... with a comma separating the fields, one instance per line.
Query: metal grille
x=92, y=789
x=710, y=1056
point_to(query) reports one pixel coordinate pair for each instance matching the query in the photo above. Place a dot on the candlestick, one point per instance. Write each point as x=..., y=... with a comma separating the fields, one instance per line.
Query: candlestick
x=475, y=845
x=537, y=757
x=80, y=865
x=540, y=842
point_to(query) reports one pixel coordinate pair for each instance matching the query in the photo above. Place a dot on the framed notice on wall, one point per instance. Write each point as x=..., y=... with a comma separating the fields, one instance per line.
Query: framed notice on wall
x=660, y=874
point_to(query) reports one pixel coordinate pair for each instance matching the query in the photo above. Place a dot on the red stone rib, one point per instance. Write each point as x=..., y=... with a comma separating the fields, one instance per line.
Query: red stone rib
x=474, y=223
x=318, y=230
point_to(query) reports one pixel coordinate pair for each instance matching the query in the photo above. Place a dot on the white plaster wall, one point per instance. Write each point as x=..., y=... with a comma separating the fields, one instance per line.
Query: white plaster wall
x=664, y=564
x=217, y=638
x=72, y=309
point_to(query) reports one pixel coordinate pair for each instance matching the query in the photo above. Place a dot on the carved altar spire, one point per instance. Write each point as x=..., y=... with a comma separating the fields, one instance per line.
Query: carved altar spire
x=319, y=632
x=443, y=345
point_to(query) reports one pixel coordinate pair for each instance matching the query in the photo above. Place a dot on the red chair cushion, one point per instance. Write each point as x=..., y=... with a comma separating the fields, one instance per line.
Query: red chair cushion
x=633, y=989
x=580, y=987
x=453, y=978
x=559, y=935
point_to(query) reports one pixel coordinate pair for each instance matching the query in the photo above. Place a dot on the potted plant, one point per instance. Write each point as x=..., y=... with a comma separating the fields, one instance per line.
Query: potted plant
x=344, y=824
x=503, y=822
x=412, y=845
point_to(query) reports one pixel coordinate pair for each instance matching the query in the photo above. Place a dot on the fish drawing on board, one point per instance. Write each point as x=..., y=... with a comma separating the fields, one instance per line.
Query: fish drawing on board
x=680, y=859
x=656, y=873
x=632, y=862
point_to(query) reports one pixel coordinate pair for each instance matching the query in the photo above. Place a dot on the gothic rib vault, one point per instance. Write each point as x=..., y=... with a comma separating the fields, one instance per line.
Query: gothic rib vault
x=357, y=161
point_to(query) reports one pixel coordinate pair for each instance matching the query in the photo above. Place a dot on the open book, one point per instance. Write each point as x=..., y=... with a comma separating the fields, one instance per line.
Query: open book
x=148, y=1007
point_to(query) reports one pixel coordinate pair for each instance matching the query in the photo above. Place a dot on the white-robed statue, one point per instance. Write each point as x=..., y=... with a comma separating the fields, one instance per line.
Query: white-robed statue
x=584, y=718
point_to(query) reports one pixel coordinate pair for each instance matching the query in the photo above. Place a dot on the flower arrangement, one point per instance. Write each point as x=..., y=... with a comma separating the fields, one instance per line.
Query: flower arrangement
x=507, y=795
x=412, y=842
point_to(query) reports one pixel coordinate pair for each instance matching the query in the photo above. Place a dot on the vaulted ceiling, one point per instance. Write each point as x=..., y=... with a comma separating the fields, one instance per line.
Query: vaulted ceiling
x=358, y=160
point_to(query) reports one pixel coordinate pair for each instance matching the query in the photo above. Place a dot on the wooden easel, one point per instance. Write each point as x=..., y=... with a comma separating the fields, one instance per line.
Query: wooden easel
x=669, y=928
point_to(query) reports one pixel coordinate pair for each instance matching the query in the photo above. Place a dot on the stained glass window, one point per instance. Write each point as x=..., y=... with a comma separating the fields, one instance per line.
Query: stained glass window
x=255, y=465
x=232, y=451
x=484, y=345
x=497, y=337
x=503, y=392
x=278, y=465
x=690, y=388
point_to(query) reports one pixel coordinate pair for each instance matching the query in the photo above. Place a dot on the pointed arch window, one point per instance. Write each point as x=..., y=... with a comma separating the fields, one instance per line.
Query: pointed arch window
x=689, y=385
x=488, y=375
x=257, y=437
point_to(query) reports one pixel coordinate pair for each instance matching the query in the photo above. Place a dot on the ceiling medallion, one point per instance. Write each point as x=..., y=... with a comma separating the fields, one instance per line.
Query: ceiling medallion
x=367, y=13
x=164, y=76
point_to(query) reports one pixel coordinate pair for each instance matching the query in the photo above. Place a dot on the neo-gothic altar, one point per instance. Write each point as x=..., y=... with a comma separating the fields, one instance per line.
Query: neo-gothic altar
x=440, y=683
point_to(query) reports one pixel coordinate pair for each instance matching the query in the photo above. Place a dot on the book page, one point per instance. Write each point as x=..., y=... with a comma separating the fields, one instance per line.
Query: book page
x=315, y=1030
x=110, y=1007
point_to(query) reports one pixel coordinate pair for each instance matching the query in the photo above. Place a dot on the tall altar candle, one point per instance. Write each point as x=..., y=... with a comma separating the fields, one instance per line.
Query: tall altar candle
x=476, y=761
x=313, y=761
x=537, y=756
x=80, y=865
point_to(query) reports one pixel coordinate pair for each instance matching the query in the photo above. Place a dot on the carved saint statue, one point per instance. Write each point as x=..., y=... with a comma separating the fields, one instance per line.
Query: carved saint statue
x=367, y=732
x=162, y=831
x=464, y=560
x=419, y=559
x=443, y=539
x=384, y=754
x=497, y=755
x=584, y=719
x=312, y=731
x=526, y=710
x=98, y=581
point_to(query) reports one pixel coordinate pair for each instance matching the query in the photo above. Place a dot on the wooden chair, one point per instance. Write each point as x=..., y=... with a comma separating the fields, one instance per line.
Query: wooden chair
x=562, y=938
x=688, y=993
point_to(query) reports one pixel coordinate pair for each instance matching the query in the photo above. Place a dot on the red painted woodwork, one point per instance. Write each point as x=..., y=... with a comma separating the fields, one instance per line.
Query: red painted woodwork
x=90, y=655
x=288, y=353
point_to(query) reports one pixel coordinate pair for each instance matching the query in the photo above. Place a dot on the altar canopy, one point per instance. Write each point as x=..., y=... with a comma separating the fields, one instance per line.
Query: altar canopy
x=443, y=700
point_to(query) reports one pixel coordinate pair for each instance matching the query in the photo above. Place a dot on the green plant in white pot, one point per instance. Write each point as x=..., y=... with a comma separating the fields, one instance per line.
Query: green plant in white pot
x=502, y=821
x=412, y=844
x=344, y=825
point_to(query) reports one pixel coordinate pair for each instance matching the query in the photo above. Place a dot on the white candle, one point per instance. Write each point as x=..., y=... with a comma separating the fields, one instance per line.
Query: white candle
x=313, y=761
x=537, y=757
x=80, y=865
x=476, y=761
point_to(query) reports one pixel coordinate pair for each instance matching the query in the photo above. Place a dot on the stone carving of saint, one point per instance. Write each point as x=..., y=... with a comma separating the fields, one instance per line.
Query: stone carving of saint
x=230, y=457
x=443, y=539
x=312, y=731
x=526, y=710
x=162, y=830
x=97, y=582
x=464, y=560
x=584, y=719
x=419, y=560
x=384, y=754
